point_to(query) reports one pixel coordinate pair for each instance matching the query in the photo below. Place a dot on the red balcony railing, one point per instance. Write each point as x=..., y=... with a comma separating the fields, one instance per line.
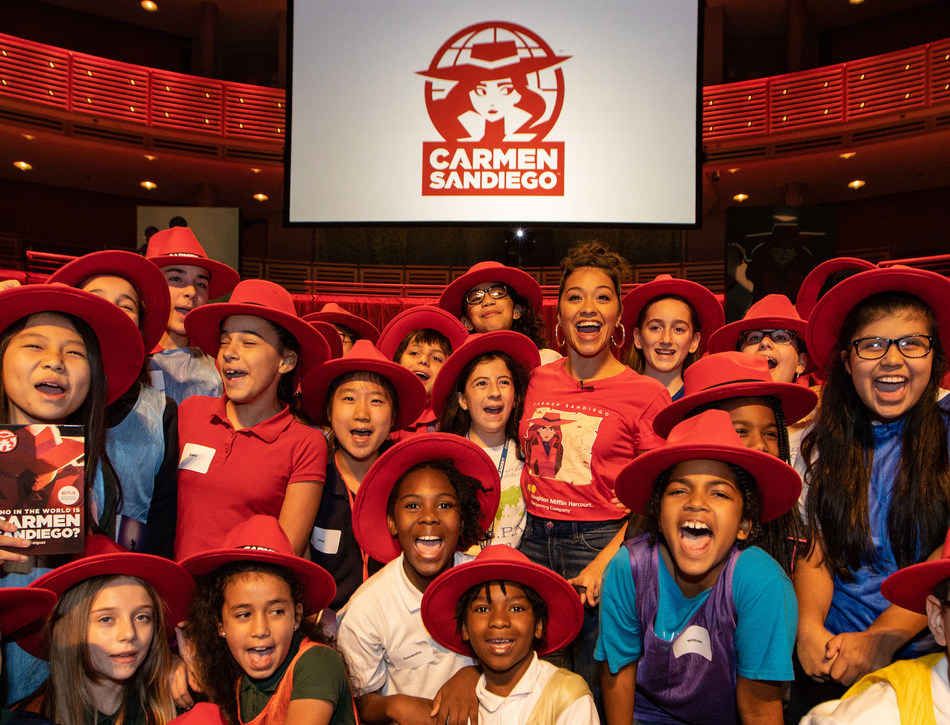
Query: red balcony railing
x=913, y=79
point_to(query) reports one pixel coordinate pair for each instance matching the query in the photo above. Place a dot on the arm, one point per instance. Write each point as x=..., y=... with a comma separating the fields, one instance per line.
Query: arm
x=298, y=512
x=814, y=588
x=760, y=703
x=310, y=712
x=402, y=709
x=455, y=702
x=618, y=692
x=591, y=576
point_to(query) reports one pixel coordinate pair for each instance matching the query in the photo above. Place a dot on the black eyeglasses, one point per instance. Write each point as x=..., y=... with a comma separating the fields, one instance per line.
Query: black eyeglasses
x=475, y=296
x=874, y=348
x=779, y=337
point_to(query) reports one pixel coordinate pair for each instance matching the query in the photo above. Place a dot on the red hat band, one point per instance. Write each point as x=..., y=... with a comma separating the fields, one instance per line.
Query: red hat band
x=259, y=533
x=175, y=242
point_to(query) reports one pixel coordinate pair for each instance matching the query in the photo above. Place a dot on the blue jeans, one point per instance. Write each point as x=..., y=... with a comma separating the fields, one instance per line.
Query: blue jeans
x=567, y=547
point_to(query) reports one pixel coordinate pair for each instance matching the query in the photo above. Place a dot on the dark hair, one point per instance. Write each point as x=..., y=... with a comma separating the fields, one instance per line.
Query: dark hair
x=90, y=414
x=217, y=668
x=595, y=254
x=635, y=358
x=839, y=450
x=538, y=606
x=942, y=591
x=457, y=420
x=837, y=277
x=425, y=336
x=363, y=376
x=466, y=488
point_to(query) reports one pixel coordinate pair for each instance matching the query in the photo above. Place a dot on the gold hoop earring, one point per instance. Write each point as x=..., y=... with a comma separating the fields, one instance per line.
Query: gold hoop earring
x=557, y=337
x=623, y=336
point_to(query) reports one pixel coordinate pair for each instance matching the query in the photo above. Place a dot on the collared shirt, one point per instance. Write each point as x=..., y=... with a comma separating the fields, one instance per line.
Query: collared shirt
x=225, y=476
x=386, y=646
x=181, y=372
x=517, y=706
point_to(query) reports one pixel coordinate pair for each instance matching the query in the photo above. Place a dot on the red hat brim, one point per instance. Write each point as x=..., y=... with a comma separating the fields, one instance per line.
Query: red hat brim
x=704, y=303
x=726, y=338
x=222, y=278
x=22, y=607
x=365, y=329
x=120, y=342
x=170, y=581
x=409, y=389
x=517, y=346
x=203, y=713
x=526, y=286
x=779, y=485
x=807, y=296
x=318, y=584
x=468, y=72
x=831, y=310
x=565, y=612
x=796, y=400
x=147, y=279
x=422, y=317
x=910, y=587
x=330, y=336
x=203, y=325
x=369, y=510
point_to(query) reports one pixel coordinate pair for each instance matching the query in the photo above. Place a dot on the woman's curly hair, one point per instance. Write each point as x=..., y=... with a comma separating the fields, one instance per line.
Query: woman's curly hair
x=595, y=254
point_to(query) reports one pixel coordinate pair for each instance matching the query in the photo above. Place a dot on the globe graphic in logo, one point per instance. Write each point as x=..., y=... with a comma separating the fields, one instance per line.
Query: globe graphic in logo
x=494, y=83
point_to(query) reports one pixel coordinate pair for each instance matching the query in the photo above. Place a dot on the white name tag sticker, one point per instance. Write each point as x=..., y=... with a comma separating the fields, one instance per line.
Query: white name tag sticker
x=196, y=458
x=158, y=379
x=326, y=541
x=694, y=640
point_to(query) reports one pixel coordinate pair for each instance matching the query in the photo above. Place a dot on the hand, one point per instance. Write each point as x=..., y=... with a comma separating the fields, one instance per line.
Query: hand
x=455, y=702
x=11, y=542
x=812, y=653
x=178, y=682
x=9, y=284
x=588, y=582
x=855, y=654
x=407, y=710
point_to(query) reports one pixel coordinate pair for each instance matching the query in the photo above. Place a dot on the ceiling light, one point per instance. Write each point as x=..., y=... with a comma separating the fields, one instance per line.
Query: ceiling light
x=29, y=136
x=848, y=155
x=261, y=197
x=148, y=185
x=856, y=184
x=733, y=170
x=149, y=157
x=855, y=2
x=740, y=197
x=23, y=165
x=149, y=5
x=255, y=170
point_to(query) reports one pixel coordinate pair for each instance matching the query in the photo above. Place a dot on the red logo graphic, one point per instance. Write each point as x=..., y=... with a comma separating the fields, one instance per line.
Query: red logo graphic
x=8, y=441
x=494, y=91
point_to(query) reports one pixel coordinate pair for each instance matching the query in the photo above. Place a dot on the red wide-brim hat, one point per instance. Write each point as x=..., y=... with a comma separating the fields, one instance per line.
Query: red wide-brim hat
x=708, y=309
x=120, y=342
x=363, y=357
x=827, y=319
x=727, y=375
x=147, y=279
x=260, y=539
x=24, y=608
x=526, y=286
x=909, y=587
x=267, y=300
x=490, y=61
x=103, y=557
x=330, y=335
x=420, y=317
x=203, y=713
x=772, y=312
x=808, y=292
x=518, y=347
x=550, y=419
x=710, y=436
x=505, y=564
x=334, y=314
x=179, y=246
x=369, y=510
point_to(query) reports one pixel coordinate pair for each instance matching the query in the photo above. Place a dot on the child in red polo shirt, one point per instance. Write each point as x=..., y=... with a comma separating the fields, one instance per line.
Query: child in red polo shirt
x=245, y=453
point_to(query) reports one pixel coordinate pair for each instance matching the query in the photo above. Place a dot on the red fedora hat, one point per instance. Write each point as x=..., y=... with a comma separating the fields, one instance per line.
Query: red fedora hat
x=24, y=608
x=258, y=298
x=203, y=713
x=120, y=342
x=488, y=61
x=261, y=539
x=369, y=511
x=909, y=587
x=334, y=314
x=148, y=280
x=710, y=436
x=103, y=557
x=515, y=345
x=708, y=309
x=725, y=375
x=526, y=286
x=330, y=336
x=501, y=563
x=420, y=317
x=824, y=325
x=179, y=245
x=365, y=358
x=550, y=419
x=772, y=312
x=808, y=292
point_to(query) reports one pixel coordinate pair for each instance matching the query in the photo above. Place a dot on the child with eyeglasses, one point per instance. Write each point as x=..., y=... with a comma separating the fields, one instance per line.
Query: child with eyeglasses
x=876, y=473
